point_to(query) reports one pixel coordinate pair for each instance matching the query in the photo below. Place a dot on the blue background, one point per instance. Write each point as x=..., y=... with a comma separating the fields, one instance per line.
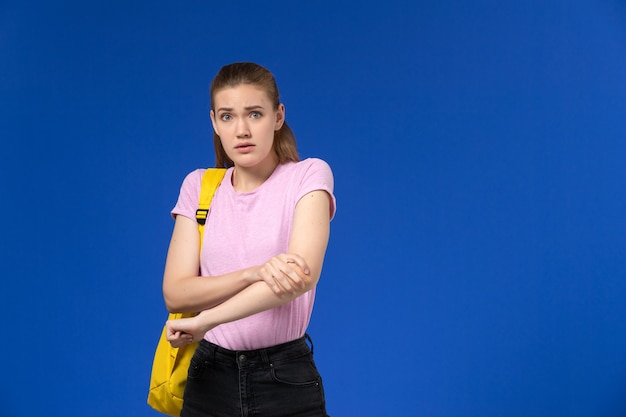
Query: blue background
x=477, y=263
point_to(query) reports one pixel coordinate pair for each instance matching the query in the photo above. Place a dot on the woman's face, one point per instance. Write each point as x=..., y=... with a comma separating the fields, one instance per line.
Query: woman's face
x=245, y=120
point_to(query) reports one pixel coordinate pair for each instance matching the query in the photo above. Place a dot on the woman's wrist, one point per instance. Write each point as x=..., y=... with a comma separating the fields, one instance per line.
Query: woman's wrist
x=205, y=322
x=251, y=275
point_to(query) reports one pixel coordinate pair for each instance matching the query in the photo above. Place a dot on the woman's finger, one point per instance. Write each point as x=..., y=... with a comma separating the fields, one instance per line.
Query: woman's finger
x=298, y=260
x=269, y=273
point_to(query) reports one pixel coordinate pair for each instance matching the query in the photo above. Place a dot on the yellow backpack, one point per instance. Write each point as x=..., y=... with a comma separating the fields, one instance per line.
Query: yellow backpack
x=170, y=365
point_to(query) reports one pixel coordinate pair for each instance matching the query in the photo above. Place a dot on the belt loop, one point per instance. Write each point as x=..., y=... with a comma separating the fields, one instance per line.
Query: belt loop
x=212, y=353
x=264, y=356
x=307, y=337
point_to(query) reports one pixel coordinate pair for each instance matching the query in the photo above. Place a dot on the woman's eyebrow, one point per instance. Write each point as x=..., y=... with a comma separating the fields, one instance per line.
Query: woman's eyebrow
x=247, y=108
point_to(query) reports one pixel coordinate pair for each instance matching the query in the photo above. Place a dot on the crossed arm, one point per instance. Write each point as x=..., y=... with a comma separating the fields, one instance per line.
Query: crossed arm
x=257, y=288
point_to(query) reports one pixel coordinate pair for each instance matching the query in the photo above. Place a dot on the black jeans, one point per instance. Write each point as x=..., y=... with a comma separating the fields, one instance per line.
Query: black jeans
x=281, y=380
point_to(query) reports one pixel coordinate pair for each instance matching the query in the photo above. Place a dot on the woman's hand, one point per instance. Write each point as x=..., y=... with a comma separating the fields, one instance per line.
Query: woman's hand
x=284, y=273
x=182, y=332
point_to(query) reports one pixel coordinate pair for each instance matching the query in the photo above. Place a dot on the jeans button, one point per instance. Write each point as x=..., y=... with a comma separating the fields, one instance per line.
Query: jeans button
x=242, y=358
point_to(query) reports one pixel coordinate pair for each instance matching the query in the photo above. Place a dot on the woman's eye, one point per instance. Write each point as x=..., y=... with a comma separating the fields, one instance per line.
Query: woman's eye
x=255, y=114
x=225, y=117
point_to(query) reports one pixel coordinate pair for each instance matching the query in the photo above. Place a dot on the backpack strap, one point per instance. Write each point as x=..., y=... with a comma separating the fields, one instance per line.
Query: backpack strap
x=210, y=181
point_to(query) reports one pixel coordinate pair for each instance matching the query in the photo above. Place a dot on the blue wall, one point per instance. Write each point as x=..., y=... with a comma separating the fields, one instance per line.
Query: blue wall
x=477, y=263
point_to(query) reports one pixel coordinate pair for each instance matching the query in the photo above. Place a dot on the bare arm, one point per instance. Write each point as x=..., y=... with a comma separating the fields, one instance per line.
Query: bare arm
x=309, y=239
x=185, y=291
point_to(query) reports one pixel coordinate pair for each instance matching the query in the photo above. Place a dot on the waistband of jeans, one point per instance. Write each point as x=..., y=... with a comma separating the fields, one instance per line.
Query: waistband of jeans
x=283, y=351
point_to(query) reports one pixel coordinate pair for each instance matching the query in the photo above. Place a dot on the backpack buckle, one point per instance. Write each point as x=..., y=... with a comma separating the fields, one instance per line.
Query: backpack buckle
x=201, y=215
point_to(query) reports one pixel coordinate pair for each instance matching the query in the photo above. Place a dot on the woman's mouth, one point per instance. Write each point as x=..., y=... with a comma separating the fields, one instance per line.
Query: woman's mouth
x=244, y=147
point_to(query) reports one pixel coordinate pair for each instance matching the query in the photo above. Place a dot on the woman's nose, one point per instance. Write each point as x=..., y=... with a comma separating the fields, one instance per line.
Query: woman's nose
x=243, y=131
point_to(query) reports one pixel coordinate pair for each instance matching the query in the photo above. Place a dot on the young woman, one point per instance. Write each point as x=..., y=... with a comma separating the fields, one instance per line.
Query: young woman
x=264, y=246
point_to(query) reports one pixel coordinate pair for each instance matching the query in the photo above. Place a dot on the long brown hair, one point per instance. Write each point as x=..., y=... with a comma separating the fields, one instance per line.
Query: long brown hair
x=239, y=73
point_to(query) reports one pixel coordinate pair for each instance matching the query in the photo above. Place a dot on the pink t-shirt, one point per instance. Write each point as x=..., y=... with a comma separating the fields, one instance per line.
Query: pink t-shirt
x=245, y=229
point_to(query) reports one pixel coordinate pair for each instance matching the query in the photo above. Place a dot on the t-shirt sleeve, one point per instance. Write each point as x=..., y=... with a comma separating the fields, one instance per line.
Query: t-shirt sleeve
x=189, y=195
x=318, y=176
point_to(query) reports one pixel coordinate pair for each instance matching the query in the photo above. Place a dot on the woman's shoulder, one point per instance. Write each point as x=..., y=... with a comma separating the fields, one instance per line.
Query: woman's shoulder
x=307, y=171
x=314, y=161
x=309, y=164
x=193, y=178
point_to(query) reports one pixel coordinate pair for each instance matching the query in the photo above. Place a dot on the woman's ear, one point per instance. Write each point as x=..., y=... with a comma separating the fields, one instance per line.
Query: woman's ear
x=212, y=115
x=280, y=117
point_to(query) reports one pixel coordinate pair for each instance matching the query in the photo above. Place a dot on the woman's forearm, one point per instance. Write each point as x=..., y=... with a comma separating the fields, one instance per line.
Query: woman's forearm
x=254, y=299
x=194, y=294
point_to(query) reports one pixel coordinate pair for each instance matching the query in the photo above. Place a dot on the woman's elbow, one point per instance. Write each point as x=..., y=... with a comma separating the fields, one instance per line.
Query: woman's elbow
x=310, y=280
x=172, y=303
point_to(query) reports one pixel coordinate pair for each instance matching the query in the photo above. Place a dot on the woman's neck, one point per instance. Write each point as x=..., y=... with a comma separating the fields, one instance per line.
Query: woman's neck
x=248, y=179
